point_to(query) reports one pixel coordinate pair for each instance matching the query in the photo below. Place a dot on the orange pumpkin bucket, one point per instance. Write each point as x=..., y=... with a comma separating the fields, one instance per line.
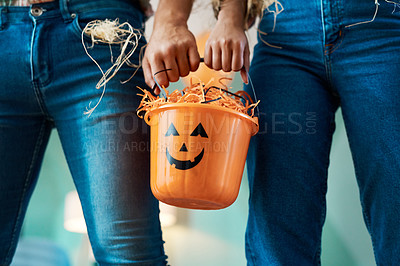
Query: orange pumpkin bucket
x=198, y=153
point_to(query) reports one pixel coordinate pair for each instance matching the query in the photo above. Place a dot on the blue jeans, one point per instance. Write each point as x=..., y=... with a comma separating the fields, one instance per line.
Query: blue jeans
x=319, y=58
x=47, y=81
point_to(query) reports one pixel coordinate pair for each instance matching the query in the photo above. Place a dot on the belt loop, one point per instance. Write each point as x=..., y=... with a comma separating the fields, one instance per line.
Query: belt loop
x=65, y=11
x=3, y=11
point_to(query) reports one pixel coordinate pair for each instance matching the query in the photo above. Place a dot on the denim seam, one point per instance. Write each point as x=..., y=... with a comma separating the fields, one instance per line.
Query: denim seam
x=3, y=10
x=323, y=27
x=40, y=101
x=318, y=256
x=1, y=18
x=39, y=141
x=323, y=216
x=49, y=76
x=337, y=44
x=35, y=84
x=336, y=6
x=31, y=47
x=65, y=11
x=327, y=61
x=322, y=222
x=324, y=55
x=252, y=257
x=247, y=235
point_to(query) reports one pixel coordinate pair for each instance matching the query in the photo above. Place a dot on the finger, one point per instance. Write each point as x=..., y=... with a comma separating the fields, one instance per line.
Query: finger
x=226, y=57
x=147, y=73
x=156, y=89
x=243, y=75
x=183, y=63
x=237, y=57
x=216, y=58
x=246, y=60
x=208, y=55
x=194, y=58
x=172, y=69
x=158, y=74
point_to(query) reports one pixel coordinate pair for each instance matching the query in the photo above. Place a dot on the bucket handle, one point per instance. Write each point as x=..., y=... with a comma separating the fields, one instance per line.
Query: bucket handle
x=254, y=92
x=162, y=92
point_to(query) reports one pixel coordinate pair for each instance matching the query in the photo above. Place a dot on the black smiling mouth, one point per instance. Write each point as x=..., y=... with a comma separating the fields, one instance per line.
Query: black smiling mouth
x=185, y=165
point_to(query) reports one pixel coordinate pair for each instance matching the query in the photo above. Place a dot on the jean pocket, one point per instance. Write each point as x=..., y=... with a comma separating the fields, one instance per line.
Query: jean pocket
x=122, y=15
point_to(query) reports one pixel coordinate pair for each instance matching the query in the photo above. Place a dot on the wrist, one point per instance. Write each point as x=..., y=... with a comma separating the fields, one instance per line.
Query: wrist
x=173, y=12
x=233, y=21
x=171, y=19
x=232, y=12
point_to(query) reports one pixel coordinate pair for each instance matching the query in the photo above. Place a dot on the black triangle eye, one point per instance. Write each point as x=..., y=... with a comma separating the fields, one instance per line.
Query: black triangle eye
x=171, y=131
x=199, y=130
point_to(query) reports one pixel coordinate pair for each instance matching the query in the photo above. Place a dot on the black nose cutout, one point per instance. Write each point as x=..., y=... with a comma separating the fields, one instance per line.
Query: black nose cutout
x=183, y=148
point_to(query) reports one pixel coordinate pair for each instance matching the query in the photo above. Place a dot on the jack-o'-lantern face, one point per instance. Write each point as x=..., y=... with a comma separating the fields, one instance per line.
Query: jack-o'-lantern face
x=185, y=164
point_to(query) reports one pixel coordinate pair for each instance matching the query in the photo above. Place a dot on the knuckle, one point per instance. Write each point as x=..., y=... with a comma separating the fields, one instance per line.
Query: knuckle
x=186, y=43
x=216, y=67
x=212, y=43
x=154, y=57
x=238, y=45
x=185, y=72
x=181, y=45
x=194, y=65
x=174, y=79
x=168, y=50
x=226, y=68
x=164, y=49
x=162, y=79
x=237, y=64
x=236, y=68
x=223, y=42
x=173, y=76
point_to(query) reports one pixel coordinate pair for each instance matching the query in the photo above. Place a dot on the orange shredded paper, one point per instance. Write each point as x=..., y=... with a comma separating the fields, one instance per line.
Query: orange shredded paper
x=199, y=93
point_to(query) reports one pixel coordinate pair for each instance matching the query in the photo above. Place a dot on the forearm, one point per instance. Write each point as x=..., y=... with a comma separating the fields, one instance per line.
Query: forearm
x=233, y=12
x=227, y=47
x=175, y=12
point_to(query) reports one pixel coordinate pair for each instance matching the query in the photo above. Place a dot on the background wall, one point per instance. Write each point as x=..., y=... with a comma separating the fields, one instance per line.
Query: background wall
x=211, y=237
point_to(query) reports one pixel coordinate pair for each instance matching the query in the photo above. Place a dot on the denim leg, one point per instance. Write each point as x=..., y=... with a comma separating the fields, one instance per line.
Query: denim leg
x=24, y=132
x=22, y=145
x=288, y=160
x=366, y=77
x=287, y=173
x=373, y=129
x=108, y=155
x=107, y=152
